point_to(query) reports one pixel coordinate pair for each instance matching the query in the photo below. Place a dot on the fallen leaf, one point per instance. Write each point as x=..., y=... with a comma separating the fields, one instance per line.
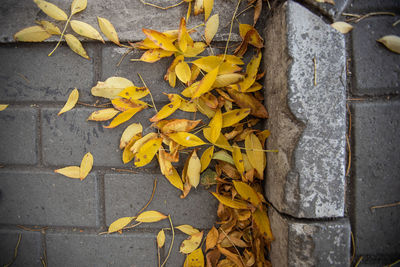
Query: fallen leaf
x=50, y=27
x=3, y=106
x=247, y=193
x=70, y=171
x=246, y=100
x=192, y=243
x=255, y=153
x=211, y=28
x=123, y=117
x=150, y=216
x=51, y=10
x=108, y=29
x=123, y=104
x=32, y=34
x=224, y=156
x=111, y=88
x=208, y=178
x=208, y=6
x=332, y=2
x=147, y=152
x=179, y=125
x=232, y=256
x=187, y=229
x=194, y=168
x=238, y=159
x=186, y=139
x=134, y=92
x=257, y=11
x=206, y=158
x=392, y=42
x=194, y=259
x=184, y=39
x=160, y=39
x=236, y=204
x=75, y=45
x=86, y=30
x=86, y=165
x=119, y=224
x=166, y=110
x=261, y=220
x=175, y=179
x=212, y=258
x=78, y=6
x=212, y=238
x=342, y=26
x=234, y=116
x=135, y=148
x=195, y=50
x=103, y=114
x=154, y=55
x=127, y=155
x=227, y=79
x=182, y=71
x=250, y=35
x=161, y=238
x=213, y=131
x=206, y=83
x=251, y=72
x=71, y=102
x=198, y=7
x=129, y=133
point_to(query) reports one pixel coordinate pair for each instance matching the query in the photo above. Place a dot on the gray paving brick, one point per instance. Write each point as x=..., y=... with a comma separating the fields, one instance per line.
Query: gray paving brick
x=130, y=249
x=307, y=122
x=29, y=249
x=128, y=17
x=377, y=177
x=47, y=198
x=28, y=74
x=299, y=243
x=18, y=141
x=377, y=73
x=126, y=194
x=333, y=11
x=365, y=6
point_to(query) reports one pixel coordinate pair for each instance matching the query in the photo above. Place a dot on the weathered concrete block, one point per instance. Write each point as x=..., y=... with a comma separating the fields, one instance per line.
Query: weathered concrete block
x=377, y=178
x=128, y=249
x=333, y=11
x=307, y=121
x=300, y=243
x=126, y=194
x=18, y=141
x=29, y=249
x=28, y=74
x=377, y=73
x=46, y=198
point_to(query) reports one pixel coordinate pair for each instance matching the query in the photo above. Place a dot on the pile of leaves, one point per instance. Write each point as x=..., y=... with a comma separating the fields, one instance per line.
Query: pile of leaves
x=232, y=150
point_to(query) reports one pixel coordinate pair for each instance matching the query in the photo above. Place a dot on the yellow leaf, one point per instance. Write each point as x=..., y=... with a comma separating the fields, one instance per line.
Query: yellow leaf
x=206, y=83
x=224, y=156
x=135, y=148
x=133, y=92
x=75, y=45
x=186, y=139
x=254, y=88
x=3, y=106
x=123, y=117
x=203, y=108
x=78, y=6
x=211, y=62
x=111, y=87
x=227, y=79
x=71, y=102
x=392, y=42
x=250, y=35
x=127, y=155
x=211, y=28
x=150, y=216
x=50, y=27
x=187, y=229
x=212, y=238
x=251, y=72
x=86, y=30
x=103, y=114
x=86, y=165
x=232, y=59
x=206, y=158
x=189, y=91
x=166, y=110
x=198, y=7
x=342, y=26
x=108, y=29
x=160, y=39
x=245, y=100
x=32, y=34
x=261, y=220
x=71, y=172
x=238, y=159
x=119, y=224
x=179, y=125
x=123, y=104
x=255, y=153
x=182, y=70
x=175, y=179
x=184, y=39
x=208, y=6
x=161, y=238
x=212, y=132
x=234, y=116
x=193, y=171
x=247, y=193
x=195, y=259
x=147, y=152
x=195, y=50
x=192, y=243
x=129, y=133
x=236, y=204
x=154, y=55
x=222, y=142
x=51, y=10
x=263, y=135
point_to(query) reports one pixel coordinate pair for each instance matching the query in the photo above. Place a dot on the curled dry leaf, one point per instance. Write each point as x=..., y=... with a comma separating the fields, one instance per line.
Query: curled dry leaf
x=119, y=224
x=161, y=238
x=50, y=27
x=192, y=243
x=51, y=10
x=129, y=133
x=212, y=238
x=86, y=30
x=195, y=259
x=70, y=171
x=103, y=114
x=71, y=102
x=112, y=87
x=32, y=34
x=392, y=42
x=150, y=216
x=75, y=45
x=108, y=29
x=211, y=28
x=187, y=229
x=3, y=106
x=78, y=6
x=86, y=165
x=231, y=256
x=342, y=26
x=194, y=168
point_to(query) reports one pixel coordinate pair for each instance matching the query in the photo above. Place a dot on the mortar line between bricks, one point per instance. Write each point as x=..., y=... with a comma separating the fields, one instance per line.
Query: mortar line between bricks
x=39, y=138
x=101, y=202
x=97, y=64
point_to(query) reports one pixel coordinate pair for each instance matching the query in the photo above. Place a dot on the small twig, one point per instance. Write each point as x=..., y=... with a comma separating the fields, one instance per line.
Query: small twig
x=353, y=254
x=124, y=55
x=124, y=170
x=385, y=206
x=172, y=242
x=132, y=226
x=160, y=7
x=62, y=35
x=23, y=77
x=356, y=99
x=94, y=105
x=32, y=229
x=357, y=18
x=315, y=71
x=244, y=10
x=158, y=256
x=240, y=256
x=230, y=29
x=151, y=95
x=395, y=24
x=151, y=198
x=15, y=252
x=269, y=5
x=349, y=156
x=393, y=264
x=358, y=262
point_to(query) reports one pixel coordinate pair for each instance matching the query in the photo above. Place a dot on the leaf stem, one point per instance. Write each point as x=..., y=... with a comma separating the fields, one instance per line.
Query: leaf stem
x=151, y=95
x=172, y=241
x=61, y=36
x=15, y=252
x=151, y=198
x=230, y=29
x=160, y=7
